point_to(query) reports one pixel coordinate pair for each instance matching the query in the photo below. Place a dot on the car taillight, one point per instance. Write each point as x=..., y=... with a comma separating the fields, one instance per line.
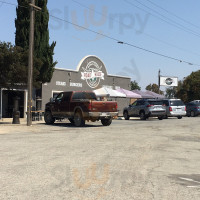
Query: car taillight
x=149, y=105
x=170, y=108
x=185, y=108
x=116, y=106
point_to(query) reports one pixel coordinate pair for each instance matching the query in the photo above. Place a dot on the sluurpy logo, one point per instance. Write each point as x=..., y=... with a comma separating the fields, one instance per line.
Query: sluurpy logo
x=169, y=81
x=92, y=74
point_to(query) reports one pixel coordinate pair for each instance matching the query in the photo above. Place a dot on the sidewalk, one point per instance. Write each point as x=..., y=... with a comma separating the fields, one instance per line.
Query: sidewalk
x=23, y=121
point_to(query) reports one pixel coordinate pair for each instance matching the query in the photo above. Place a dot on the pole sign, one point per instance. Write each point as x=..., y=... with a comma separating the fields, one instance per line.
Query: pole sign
x=168, y=81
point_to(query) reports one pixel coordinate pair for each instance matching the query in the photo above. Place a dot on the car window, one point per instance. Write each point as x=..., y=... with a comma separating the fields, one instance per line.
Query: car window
x=139, y=103
x=59, y=97
x=84, y=95
x=166, y=102
x=196, y=104
x=90, y=95
x=67, y=96
x=176, y=103
x=135, y=103
x=155, y=102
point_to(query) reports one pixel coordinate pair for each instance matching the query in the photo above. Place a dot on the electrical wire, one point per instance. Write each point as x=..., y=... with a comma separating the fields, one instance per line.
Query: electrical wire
x=114, y=39
x=176, y=23
x=171, y=13
x=148, y=35
x=164, y=18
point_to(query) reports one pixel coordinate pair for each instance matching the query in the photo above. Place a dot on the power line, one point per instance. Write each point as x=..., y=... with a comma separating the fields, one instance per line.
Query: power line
x=114, y=39
x=12, y=4
x=126, y=43
x=171, y=13
x=148, y=35
x=166, y=19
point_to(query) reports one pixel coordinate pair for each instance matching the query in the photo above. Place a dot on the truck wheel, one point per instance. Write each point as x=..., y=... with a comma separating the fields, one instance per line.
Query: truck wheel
x=71, y=120
x=142, y=116
x=78, y=119
x=48, y=118
x=106, y=122
x=126, y=116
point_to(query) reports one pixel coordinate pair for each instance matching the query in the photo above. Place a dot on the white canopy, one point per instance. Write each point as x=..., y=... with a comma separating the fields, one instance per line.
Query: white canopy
x=108, y=92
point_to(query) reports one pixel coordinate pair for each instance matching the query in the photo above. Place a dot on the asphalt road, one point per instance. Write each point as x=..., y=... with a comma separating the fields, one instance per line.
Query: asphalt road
x=133, y=159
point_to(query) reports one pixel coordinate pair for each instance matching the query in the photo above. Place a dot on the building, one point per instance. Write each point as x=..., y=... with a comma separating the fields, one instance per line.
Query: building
x=91, y=74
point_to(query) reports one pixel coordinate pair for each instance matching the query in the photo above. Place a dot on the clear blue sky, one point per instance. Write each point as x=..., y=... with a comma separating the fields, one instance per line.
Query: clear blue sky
x=127, y=23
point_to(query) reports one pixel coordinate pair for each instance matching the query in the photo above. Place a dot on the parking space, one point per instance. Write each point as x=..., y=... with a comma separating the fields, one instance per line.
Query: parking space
x=131, y=159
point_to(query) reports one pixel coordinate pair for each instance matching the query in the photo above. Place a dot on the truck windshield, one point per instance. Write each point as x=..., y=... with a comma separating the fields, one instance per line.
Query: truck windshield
x=84, y=95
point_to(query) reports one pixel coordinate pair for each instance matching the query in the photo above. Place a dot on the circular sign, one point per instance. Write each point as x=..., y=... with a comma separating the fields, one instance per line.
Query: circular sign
x=92, y=74
x=169, y=81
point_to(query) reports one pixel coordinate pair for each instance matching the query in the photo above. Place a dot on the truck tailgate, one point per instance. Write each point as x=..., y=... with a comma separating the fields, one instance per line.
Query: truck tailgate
x=104, y=106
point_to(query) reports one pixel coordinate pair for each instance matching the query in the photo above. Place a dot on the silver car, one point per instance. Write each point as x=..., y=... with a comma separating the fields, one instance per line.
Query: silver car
x=175, y=108
x=145, y=108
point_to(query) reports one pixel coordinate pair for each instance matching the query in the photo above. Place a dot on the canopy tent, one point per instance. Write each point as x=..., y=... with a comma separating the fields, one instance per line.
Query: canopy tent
x=143, y=94
x=129, y=93
x=155, y=95
x=108, y=92
x=149, y=94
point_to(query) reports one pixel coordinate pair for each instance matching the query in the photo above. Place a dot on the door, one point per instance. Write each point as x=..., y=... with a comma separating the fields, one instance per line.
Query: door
x=64, y=106
x=56, y=105
x=132, y=109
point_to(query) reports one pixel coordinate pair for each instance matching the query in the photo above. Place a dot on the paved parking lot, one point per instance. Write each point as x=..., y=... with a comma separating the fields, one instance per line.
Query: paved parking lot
x=133, y=159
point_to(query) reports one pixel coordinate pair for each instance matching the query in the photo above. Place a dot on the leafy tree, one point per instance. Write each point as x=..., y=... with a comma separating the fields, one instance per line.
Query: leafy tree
x=154, y=88
x=171, y=92
x=42, y=49
x=135, y=86
x=13, y=66
x=189, y=89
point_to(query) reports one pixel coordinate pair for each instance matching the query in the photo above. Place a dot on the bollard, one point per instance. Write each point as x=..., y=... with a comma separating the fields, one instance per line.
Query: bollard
x=16, y=112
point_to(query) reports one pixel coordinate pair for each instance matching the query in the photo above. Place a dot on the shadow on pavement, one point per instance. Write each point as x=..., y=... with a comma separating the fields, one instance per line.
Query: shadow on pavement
x=70, y=125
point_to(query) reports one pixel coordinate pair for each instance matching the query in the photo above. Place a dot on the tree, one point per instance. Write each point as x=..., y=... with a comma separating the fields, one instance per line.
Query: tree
x=171, y=92
x=42, y=49
x=154, y=88
x=13, y=66
x=189, y=89
x=135, y=86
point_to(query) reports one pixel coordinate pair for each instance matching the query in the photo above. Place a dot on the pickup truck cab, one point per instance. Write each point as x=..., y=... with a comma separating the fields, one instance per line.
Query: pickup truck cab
x=79, y=106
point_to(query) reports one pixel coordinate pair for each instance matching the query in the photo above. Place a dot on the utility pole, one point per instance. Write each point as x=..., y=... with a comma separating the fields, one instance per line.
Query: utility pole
x=30, y=60
x=159, y=80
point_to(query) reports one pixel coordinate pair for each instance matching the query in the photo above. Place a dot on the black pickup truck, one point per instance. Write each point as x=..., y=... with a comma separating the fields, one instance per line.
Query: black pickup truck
x=79, y=106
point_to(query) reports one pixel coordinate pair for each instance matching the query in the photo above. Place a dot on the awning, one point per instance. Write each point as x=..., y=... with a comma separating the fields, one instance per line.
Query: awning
x=144, y=94
x=155, y=95
x=129, y=93
x=108, y=92
x=149, y=94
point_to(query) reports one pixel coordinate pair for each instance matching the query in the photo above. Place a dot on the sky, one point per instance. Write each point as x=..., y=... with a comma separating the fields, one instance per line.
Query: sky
x=167, y=27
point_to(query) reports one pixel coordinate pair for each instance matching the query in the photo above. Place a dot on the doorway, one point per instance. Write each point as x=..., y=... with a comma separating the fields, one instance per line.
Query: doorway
x=8, y=102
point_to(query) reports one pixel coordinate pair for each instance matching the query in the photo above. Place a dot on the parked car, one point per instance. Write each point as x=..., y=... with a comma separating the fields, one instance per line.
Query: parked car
x=193, y=108
x=79, y=106
x=174, y=108
x=144, y=109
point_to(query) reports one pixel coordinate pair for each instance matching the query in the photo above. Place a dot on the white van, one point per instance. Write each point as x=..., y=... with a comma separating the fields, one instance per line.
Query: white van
x=174, y=108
